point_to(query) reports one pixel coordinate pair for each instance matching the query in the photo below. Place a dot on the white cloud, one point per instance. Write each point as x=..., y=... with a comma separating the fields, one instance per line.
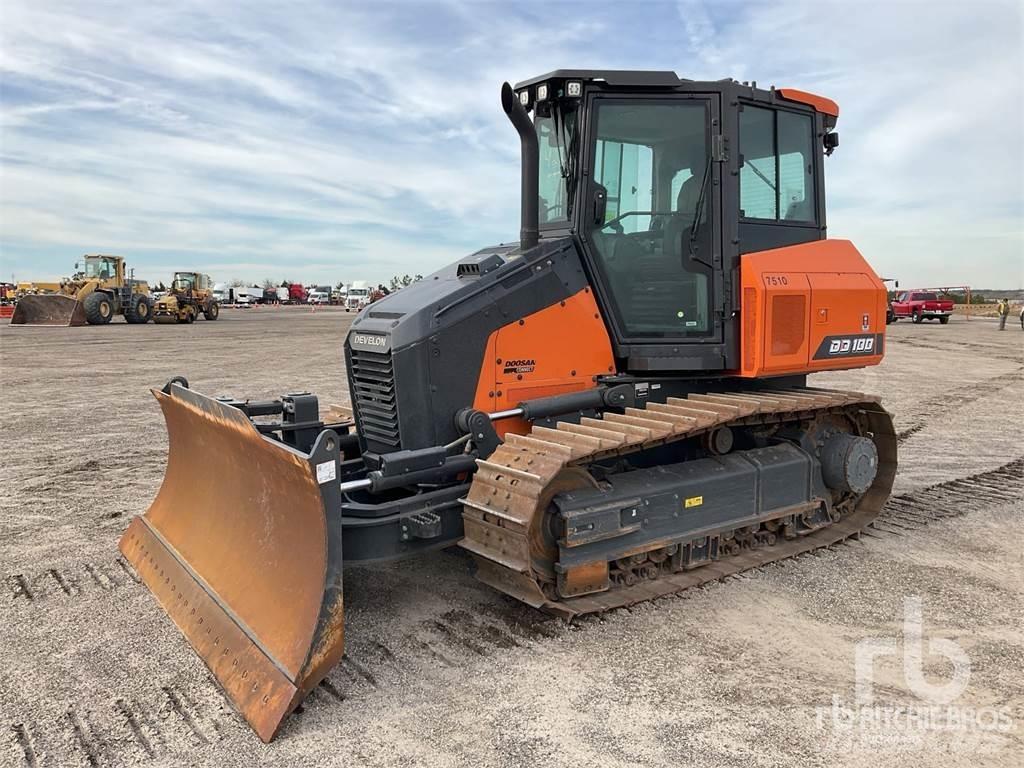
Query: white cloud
x=328, y=138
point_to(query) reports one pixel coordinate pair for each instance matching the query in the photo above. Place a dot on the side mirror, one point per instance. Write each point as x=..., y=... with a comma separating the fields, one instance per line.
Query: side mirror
x=831, y=141
x=600, y=204
x=76, y=266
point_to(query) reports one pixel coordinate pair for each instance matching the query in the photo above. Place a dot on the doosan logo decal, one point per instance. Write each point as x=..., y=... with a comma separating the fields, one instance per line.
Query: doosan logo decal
x=851, y=345
x=525, y=365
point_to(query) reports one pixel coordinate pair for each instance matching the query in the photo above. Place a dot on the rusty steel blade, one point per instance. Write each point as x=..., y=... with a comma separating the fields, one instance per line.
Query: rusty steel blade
x=48, y=309
x=242, y=548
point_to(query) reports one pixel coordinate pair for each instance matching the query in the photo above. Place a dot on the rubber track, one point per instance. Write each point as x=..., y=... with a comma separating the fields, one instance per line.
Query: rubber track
x=512, y=488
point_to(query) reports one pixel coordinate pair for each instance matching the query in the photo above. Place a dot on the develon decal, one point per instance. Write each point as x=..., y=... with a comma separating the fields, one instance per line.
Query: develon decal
x=370, y=341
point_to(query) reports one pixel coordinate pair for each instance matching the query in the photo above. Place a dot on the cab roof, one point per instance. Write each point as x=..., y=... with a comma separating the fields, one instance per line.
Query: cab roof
x=629, y=78
x=615, y=77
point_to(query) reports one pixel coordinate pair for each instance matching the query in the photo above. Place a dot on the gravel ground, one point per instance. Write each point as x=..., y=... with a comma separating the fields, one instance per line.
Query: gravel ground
x=441, y=671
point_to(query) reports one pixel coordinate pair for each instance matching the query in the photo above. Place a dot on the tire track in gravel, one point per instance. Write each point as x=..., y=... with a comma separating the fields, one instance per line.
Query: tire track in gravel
x=940, y=406
x=995, y=352
x=122, y=729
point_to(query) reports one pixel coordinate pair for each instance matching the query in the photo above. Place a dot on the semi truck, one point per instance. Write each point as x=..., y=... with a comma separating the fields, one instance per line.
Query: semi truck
x=357, y=296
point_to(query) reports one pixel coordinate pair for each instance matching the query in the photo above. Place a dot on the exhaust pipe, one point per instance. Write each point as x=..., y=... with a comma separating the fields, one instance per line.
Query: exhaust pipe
x=528, y=226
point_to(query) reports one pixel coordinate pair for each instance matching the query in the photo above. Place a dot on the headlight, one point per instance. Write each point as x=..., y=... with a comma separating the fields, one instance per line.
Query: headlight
x=542, y=92
x=574, y=88
x=524, y=97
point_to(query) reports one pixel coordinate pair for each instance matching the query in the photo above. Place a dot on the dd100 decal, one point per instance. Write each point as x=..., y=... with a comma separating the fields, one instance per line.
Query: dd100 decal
x=850, y=345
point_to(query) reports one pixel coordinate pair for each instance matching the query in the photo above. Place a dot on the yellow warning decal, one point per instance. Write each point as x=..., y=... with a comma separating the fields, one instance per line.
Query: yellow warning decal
x=693, y=501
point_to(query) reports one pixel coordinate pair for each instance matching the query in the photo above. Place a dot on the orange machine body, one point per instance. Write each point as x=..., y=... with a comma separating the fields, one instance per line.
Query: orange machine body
x=812, y=307
x=804, y=308
x=562, y=348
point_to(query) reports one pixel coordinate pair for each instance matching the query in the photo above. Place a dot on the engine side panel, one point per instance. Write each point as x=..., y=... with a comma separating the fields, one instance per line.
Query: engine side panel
x=415, y=357
x=561, y=348
x=811, y=307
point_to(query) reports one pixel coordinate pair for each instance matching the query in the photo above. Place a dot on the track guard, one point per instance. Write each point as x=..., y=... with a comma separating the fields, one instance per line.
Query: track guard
x=242, y=548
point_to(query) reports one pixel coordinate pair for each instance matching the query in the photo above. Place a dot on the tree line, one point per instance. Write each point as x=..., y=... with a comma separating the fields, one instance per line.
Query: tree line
x=396, y=282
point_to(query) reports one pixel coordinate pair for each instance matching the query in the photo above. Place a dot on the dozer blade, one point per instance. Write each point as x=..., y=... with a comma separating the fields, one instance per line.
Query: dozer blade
x=242, y=547
x=48, y=309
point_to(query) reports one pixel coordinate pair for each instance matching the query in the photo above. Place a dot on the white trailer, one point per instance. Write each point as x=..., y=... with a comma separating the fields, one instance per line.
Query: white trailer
x=247, y=295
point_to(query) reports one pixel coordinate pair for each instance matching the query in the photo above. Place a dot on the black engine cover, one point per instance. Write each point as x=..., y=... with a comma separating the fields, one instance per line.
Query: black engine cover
x=414, y=357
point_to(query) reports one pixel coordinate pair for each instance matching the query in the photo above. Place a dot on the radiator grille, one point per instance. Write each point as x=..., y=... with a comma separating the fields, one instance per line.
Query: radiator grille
x=789, y=321
x=373, y=395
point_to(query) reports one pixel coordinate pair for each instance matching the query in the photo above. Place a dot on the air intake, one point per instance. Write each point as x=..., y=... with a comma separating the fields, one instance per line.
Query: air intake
x=373, y=396
x=789, y=324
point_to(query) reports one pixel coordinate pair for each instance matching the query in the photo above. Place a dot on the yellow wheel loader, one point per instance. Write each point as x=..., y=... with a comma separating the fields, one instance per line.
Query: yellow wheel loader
x=191, y=294
x=614, y=409
x=93, y=295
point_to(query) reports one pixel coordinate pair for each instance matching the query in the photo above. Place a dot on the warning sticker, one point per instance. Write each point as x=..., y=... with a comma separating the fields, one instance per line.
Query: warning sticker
x=693, y=501
x=325, y=472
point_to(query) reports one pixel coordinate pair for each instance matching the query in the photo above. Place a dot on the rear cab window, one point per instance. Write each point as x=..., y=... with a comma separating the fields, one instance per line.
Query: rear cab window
x=777, y=171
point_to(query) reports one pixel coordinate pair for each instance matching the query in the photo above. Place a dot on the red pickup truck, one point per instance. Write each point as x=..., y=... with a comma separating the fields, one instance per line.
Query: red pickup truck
x=921, y=305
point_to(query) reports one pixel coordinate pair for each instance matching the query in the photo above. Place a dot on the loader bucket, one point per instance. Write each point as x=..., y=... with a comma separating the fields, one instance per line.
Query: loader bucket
x=242, y=548
x=48, y=309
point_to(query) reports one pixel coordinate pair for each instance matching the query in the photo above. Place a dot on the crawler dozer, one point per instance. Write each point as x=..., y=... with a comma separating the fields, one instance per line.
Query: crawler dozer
x=613, y=409
x=191, y=294
x=94, y=295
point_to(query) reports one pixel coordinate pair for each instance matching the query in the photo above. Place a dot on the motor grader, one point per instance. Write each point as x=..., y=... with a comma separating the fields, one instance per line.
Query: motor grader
x=611, y=410
x=94, y=295
x=191, y=293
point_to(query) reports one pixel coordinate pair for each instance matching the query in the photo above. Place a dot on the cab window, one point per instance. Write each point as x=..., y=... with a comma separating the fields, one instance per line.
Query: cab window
x=777, y=165
x=651, y=158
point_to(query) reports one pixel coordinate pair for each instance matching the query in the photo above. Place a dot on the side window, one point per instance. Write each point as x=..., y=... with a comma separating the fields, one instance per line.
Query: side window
x=626, y=170
x=796, y=166
x=553, y=205
x=777, y=174
x=758, y=183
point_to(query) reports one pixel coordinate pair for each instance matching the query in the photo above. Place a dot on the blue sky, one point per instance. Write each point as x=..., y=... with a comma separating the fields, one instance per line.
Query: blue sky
x=332, y=141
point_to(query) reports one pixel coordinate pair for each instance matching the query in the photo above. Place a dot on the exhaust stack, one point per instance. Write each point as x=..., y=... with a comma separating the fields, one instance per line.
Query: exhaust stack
x=530, y=154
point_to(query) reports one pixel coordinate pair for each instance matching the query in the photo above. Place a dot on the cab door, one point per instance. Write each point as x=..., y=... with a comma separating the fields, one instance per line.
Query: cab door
x=651, y=226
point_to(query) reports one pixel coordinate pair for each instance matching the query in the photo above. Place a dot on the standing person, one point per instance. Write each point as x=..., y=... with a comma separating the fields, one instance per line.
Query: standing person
x=1004, y=311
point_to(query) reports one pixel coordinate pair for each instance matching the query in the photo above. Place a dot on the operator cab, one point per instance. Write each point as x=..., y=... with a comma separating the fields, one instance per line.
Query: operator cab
x=665, y=182
x=100, y=267
x=187, y=281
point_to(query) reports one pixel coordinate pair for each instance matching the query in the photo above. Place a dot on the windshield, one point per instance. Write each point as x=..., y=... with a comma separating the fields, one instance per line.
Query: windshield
x=99, y=268
x=652, y=160
x=556, y=135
